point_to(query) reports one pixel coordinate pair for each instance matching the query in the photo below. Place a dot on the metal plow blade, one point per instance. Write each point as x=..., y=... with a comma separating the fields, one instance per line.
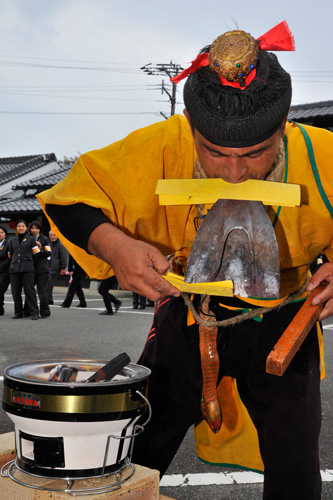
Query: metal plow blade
x=236, y=241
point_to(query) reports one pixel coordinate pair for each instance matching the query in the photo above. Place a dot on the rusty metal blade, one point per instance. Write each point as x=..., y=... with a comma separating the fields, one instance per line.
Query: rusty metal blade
x=236, y=241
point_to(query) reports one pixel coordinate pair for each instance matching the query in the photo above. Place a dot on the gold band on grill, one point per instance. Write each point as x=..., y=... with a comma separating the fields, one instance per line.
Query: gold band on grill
x=99, y=403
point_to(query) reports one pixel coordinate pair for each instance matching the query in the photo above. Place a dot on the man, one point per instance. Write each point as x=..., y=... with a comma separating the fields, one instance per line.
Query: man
x=108, y=298
x=4, y=266
x=77, y=275
x=59, y=261
x=235, y=129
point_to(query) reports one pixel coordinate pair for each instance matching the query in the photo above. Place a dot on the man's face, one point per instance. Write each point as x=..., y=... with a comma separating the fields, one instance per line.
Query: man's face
x=237, y=164
x=52, y=236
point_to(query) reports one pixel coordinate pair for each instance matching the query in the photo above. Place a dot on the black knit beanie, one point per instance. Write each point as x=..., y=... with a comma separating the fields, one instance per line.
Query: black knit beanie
x=231, y=117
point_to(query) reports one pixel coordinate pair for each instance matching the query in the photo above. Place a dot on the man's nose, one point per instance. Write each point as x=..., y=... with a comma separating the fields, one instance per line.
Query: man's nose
x=235, y=170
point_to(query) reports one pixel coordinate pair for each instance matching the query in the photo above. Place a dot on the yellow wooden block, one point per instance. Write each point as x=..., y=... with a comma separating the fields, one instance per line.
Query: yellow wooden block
x=208, y=191
x=220, y=288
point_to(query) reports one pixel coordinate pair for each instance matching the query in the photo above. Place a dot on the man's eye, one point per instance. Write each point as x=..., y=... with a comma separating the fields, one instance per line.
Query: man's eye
x=255, y=155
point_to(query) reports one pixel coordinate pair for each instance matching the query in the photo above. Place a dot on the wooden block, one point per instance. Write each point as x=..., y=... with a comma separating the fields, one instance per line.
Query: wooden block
x=290, y=341
x=143, y=485
x=7, y=448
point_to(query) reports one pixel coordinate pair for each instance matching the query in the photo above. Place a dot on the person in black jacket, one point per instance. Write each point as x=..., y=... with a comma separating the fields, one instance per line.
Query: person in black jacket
x=4, y=266
x=42, y=266
x=59, y=261
x=103, y=289
x=21, y=249
x=77, y=274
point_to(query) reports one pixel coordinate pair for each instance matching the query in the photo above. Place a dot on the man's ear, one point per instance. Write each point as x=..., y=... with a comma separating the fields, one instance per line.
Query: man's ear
x=187, y=116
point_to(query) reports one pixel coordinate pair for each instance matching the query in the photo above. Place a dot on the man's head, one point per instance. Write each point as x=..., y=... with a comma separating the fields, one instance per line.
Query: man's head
x=241, y=117
x=238, y=116
x=52, y=236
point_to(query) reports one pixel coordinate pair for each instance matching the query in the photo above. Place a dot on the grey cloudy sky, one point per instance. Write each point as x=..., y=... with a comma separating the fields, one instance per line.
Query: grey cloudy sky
x=70, y=69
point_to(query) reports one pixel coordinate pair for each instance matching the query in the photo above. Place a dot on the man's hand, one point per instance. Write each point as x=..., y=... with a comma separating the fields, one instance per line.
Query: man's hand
x=137, y=265
x=324, y=273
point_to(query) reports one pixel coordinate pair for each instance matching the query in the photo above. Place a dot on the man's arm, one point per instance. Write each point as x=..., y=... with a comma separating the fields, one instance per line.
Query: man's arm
x=76, y=222
x=137, y=265
x=63, y=257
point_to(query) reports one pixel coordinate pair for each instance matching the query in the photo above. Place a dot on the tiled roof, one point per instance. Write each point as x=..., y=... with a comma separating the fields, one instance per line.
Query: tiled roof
x=15, y=167
x=44, y=181
x=12, y=207
x=310, y=111
x=29, y=203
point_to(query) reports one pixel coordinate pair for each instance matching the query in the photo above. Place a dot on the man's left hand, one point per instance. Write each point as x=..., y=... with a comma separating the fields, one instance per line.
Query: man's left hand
x=324, y=273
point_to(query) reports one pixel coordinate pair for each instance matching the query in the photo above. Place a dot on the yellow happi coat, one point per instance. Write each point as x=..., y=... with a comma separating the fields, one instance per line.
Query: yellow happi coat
x=121, y=180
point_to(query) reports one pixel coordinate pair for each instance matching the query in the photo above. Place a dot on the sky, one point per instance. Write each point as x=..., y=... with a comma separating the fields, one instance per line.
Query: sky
x=70, y=70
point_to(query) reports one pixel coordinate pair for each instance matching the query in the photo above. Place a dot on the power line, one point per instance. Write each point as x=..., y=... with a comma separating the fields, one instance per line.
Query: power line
x=81, y=87
x=78, y=113
x=13, y=64
x=66, y=60
x=79, y=97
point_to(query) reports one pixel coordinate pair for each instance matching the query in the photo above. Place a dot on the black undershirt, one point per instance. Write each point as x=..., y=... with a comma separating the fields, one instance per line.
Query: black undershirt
x=76, y=222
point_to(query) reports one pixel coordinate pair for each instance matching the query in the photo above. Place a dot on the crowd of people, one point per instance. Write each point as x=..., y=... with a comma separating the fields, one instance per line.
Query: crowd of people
x=31, y=263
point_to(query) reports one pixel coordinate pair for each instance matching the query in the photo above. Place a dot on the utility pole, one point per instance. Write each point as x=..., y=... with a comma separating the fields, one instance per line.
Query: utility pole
x=171, y=70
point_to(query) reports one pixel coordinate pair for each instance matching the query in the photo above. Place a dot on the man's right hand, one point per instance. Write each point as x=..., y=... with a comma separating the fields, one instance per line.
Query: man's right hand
x=138, y=266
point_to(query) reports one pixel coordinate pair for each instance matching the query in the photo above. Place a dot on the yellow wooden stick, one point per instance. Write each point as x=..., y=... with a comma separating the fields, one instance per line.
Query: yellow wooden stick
x=208, y=191
x=223, y=288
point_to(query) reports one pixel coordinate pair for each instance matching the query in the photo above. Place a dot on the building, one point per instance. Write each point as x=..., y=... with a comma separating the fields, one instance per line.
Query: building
x=317, y=114
x=21, y=178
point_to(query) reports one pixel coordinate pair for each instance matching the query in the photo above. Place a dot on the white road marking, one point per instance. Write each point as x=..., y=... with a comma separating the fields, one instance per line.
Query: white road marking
x=123, y=309
x=206, y=479
x=216, y=478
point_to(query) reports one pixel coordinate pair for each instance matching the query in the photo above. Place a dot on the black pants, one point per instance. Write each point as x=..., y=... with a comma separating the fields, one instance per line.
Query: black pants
x=75, y=286
x=27, y=282
x=50, y=284
x=108, y=298
x=4, y=282
x=285, y=410
x=41, y=281
x=139, y=299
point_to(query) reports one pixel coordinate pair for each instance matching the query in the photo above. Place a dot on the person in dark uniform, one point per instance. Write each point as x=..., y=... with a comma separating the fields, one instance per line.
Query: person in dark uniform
x=77, y=274
x=139, y=301
x=42, y=266
x=108, y=298
x=22, y=270
x=59, y=260
x=4, y=266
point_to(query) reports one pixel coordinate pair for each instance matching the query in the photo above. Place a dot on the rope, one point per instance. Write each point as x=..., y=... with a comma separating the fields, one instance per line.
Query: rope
x=242, y=317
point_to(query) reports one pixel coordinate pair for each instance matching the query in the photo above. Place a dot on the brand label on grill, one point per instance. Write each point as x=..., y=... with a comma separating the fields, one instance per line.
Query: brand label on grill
x=28, y=400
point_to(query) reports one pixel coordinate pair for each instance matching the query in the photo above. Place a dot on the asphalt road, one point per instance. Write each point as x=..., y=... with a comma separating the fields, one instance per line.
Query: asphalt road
x=84, y=334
